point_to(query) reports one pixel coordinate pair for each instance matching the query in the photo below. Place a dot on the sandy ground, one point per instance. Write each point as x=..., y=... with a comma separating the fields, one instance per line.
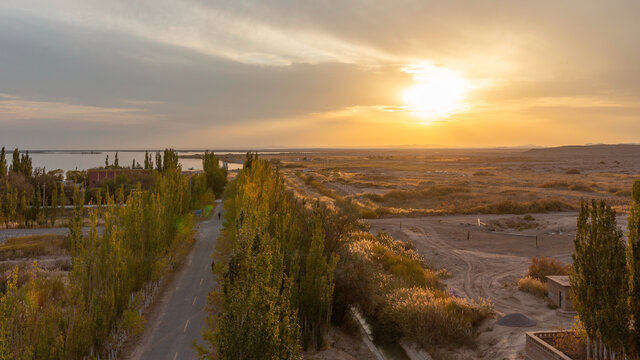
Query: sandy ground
x=488, y=265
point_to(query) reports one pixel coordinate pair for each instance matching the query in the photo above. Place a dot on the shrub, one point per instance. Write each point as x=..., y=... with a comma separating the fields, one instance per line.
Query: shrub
x=580, y=186
x=483, y=173
x=533, y=286
x=572, y=172
x=554, y=184
x=513, y=207
x=541, y=267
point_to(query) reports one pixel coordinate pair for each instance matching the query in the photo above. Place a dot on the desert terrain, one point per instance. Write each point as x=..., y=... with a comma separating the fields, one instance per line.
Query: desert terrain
x=476, y=214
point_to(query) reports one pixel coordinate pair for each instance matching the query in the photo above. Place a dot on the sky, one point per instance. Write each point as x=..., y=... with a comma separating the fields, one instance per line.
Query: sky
x=89, y=74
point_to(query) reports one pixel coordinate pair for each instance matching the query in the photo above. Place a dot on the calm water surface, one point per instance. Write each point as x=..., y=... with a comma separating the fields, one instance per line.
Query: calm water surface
x=82, y=161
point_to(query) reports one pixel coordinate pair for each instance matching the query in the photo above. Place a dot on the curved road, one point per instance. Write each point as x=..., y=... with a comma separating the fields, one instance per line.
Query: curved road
x=181, y=314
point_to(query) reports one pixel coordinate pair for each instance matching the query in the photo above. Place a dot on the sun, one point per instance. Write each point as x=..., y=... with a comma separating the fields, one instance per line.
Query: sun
x=438, y=92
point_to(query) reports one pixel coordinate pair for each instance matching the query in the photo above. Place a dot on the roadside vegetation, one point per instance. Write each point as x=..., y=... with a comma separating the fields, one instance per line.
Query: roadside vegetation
x=288, y=267
x=88, y=311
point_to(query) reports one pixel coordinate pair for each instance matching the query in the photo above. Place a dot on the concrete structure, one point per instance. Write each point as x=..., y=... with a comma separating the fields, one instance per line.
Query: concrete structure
x=536, y=348
x=560, y=292
x=95, y=176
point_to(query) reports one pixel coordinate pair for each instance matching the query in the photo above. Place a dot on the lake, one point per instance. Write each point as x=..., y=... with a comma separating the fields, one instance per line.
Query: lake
x=67, y=160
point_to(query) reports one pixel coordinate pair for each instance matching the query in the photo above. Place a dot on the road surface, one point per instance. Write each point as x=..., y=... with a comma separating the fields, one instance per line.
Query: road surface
x=182, y=307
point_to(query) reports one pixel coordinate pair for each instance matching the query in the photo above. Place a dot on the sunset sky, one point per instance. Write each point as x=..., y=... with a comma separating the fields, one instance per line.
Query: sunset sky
x=82, y=74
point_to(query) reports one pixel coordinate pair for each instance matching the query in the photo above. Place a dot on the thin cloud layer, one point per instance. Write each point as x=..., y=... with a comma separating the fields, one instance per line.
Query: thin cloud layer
x=291, y=73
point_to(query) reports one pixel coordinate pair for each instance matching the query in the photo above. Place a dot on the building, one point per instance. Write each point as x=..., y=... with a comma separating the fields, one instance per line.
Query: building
x=559, y=292
x=95, y=176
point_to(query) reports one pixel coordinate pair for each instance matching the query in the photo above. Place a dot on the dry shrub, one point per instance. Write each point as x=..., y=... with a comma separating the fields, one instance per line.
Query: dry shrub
x=513, y=207
x=542, y=266
x=431, y=192
x=309, y=180
x=33, y=246
x=388, y=281
x=580, y=186
x=433, y=319
x=572, y=172
x=483, y=173
x=554, y=184
x=624, y=193
x=533, y=286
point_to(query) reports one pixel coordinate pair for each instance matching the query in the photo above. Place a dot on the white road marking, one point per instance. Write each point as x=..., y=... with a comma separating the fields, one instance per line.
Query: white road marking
x=194, y=301
x=185, y=326
x=201, y=280
x=175, y=356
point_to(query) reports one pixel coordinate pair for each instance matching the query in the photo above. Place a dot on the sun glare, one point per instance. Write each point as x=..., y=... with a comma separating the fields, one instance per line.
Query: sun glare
x=438, y=92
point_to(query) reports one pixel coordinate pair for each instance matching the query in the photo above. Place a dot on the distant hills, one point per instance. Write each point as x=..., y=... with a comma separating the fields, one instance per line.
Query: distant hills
x=598, y=150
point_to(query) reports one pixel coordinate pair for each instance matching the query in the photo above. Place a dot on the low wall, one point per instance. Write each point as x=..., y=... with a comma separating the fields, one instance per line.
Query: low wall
x=537, y=349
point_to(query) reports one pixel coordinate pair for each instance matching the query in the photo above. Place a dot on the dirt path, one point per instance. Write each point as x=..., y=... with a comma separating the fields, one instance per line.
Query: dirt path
x=487, y=267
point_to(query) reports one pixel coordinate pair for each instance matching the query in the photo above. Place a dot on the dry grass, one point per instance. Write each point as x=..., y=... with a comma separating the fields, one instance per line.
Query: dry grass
x=533, y=286
x=33, y=246
x=541, y=267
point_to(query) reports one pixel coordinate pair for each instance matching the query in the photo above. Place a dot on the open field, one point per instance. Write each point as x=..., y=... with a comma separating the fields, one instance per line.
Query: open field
x=476, y=213
x=433, y=182
x=488, y=265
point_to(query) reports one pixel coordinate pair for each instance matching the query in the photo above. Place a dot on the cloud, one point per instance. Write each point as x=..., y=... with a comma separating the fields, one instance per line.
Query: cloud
x=202, y=66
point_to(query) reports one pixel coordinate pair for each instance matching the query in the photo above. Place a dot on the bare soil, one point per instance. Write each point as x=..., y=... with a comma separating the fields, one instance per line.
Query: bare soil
x=488, y=265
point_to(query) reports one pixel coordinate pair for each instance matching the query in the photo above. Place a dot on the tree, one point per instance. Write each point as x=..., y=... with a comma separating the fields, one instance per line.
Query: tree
x=15, y=162
x=26, y=166
x=316, y=290
x=106, y=162
x=170, y=160
x=3, y=164
x=600, y=297
x=216, y=176
x=148, y=163
x=633, y=259
x=116, y=164
x=159, y=162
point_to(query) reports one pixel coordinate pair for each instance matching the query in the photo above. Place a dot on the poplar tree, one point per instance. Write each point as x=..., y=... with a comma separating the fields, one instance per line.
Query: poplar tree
x=598, y=277
x=148, y=164
x=116, y=164
x=633, y=259
x=3, y=164
x=106, y=162
x=15, y=162
x=159, y=162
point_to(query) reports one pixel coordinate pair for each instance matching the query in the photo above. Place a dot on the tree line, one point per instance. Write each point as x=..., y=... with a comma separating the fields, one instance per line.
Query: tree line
x=288, y=268
x=85, y=313
x=276, y=272
x=32, y=196
x=605, y=279
x=29, y=196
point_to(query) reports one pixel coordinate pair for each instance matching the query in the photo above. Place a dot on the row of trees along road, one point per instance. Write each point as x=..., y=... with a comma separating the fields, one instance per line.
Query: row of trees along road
x=276, y=271
x=605, y=279
x=83, y=314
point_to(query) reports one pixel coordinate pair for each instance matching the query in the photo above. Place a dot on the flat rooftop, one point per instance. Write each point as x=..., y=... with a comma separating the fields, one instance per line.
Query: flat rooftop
x=563, y=280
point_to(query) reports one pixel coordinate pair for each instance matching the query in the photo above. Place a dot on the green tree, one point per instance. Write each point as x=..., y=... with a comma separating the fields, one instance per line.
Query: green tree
x=116, y=164
x=170, y=160
x=3, y=164
x=159, y=162
x=633, y=259
x=15, y=162
x=106, y=162
x=216, y=176
x=316, y=290
x=600, y=297
x=148, y=163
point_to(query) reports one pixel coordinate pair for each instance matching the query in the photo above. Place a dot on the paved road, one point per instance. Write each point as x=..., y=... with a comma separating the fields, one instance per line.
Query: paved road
x=181, y=314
